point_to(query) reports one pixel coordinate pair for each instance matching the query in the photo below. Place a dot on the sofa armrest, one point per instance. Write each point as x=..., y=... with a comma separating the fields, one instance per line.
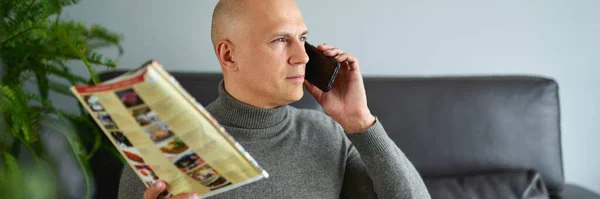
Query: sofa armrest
x=571, y=191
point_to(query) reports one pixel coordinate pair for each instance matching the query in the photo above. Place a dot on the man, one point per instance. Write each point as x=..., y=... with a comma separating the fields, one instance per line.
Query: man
x=308, y=154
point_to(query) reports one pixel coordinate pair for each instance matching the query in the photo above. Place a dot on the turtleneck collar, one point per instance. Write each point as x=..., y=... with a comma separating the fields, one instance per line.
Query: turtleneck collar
x=231, y=112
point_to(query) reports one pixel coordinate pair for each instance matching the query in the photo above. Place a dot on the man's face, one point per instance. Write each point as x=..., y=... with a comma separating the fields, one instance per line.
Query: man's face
x=270, y=51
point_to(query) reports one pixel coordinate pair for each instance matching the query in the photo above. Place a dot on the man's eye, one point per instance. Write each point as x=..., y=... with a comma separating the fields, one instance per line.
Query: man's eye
x=280, y=40
x=302, y=38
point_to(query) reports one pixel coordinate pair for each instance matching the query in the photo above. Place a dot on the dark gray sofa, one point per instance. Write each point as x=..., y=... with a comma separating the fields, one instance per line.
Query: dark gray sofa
x=469, y=137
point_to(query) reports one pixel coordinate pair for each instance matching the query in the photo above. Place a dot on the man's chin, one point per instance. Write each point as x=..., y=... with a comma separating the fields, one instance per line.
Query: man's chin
x=299, y=96
x=295, y=96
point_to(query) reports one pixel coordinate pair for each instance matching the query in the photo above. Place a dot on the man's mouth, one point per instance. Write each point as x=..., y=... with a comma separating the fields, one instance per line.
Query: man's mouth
x=296, y=77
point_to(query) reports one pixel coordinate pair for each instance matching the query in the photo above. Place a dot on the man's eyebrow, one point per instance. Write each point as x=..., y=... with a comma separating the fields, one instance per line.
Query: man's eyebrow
x=287, y=34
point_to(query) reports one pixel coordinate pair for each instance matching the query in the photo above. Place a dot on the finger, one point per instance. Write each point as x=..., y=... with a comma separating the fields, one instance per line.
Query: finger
x=351, y=61
x=185, y=196
x=345, y=57
x=313, y=90
x=155, y=190
x=324, y=47
x=333, y=52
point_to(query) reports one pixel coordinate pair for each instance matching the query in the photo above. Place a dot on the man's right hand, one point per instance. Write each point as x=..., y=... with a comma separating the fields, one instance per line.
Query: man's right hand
x=159, y=187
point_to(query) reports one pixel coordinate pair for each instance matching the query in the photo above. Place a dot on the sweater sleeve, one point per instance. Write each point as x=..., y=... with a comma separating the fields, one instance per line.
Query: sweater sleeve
x=130, y=185
x=377, y=168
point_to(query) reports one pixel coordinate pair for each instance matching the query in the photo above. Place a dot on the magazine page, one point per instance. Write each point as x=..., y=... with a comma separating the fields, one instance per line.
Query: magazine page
x=163, y=133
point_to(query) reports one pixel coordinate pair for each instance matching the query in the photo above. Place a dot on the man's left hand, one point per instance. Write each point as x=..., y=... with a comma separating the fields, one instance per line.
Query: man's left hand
x=346, y=102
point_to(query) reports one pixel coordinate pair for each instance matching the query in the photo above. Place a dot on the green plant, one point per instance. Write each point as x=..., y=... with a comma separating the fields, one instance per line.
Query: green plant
x=35, y=47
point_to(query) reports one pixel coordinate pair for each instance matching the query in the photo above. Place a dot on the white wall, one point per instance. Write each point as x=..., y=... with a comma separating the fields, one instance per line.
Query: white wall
x=555, y=38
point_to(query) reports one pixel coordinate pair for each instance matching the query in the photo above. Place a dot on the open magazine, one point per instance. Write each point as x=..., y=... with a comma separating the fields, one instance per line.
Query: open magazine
x=164, y=133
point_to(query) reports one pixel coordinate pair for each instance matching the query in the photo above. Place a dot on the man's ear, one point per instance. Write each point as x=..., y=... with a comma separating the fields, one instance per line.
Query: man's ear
x=225, y=55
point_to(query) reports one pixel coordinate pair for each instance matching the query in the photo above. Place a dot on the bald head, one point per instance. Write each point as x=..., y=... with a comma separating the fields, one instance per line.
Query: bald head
x=230, y=15
x=260, y=46
x=225, y=16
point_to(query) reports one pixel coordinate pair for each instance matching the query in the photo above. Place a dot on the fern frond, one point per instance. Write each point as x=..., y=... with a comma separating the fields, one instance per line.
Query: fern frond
x=32, y=10
x=67, y=75
x=64, y=3
x=18, y=118
x=51, y=54
x=26, y=30
x=56, y=86
x=17, y=123
x=25, y=131
x=7, y=92
x=7, y=98
x=36, y=11
x=30, y=133
x=94, y=57
x=19, y=110
x=7, y=7
x=59, y=88
x=36, y=42
x=42, y=81
x=99, y=36
x=10, y=163
x=57, y=5
x=46, y=103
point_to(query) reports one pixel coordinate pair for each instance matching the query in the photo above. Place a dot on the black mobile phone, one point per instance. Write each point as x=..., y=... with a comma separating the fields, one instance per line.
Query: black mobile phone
x=321, y=70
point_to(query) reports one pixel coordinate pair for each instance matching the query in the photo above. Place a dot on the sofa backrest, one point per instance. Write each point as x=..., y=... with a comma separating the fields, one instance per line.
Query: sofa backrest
x=203, y=86
x=449, y=126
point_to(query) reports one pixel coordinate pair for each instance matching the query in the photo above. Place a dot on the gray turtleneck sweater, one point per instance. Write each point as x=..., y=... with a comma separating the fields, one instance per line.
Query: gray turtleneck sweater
x=307, y=155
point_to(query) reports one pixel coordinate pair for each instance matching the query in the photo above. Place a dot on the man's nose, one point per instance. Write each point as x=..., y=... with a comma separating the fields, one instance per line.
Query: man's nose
x=298, y=54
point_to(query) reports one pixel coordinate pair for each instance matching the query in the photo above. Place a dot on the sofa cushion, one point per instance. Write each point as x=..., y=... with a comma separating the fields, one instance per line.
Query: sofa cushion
x=523, y=184
x=572, y=191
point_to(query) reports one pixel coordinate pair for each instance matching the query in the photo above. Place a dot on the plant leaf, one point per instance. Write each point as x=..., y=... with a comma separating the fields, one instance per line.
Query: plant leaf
x=67, y=75
x=96, y=58
x=16, y=147
x=42, y=82
x=31, y=135
x=7, y=92
x=10, y=163
x=76, y=147
x=59, y=87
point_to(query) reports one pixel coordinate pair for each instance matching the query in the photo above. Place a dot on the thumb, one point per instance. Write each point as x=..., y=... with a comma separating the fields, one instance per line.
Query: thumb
x=313, y=90
x=155, y=190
